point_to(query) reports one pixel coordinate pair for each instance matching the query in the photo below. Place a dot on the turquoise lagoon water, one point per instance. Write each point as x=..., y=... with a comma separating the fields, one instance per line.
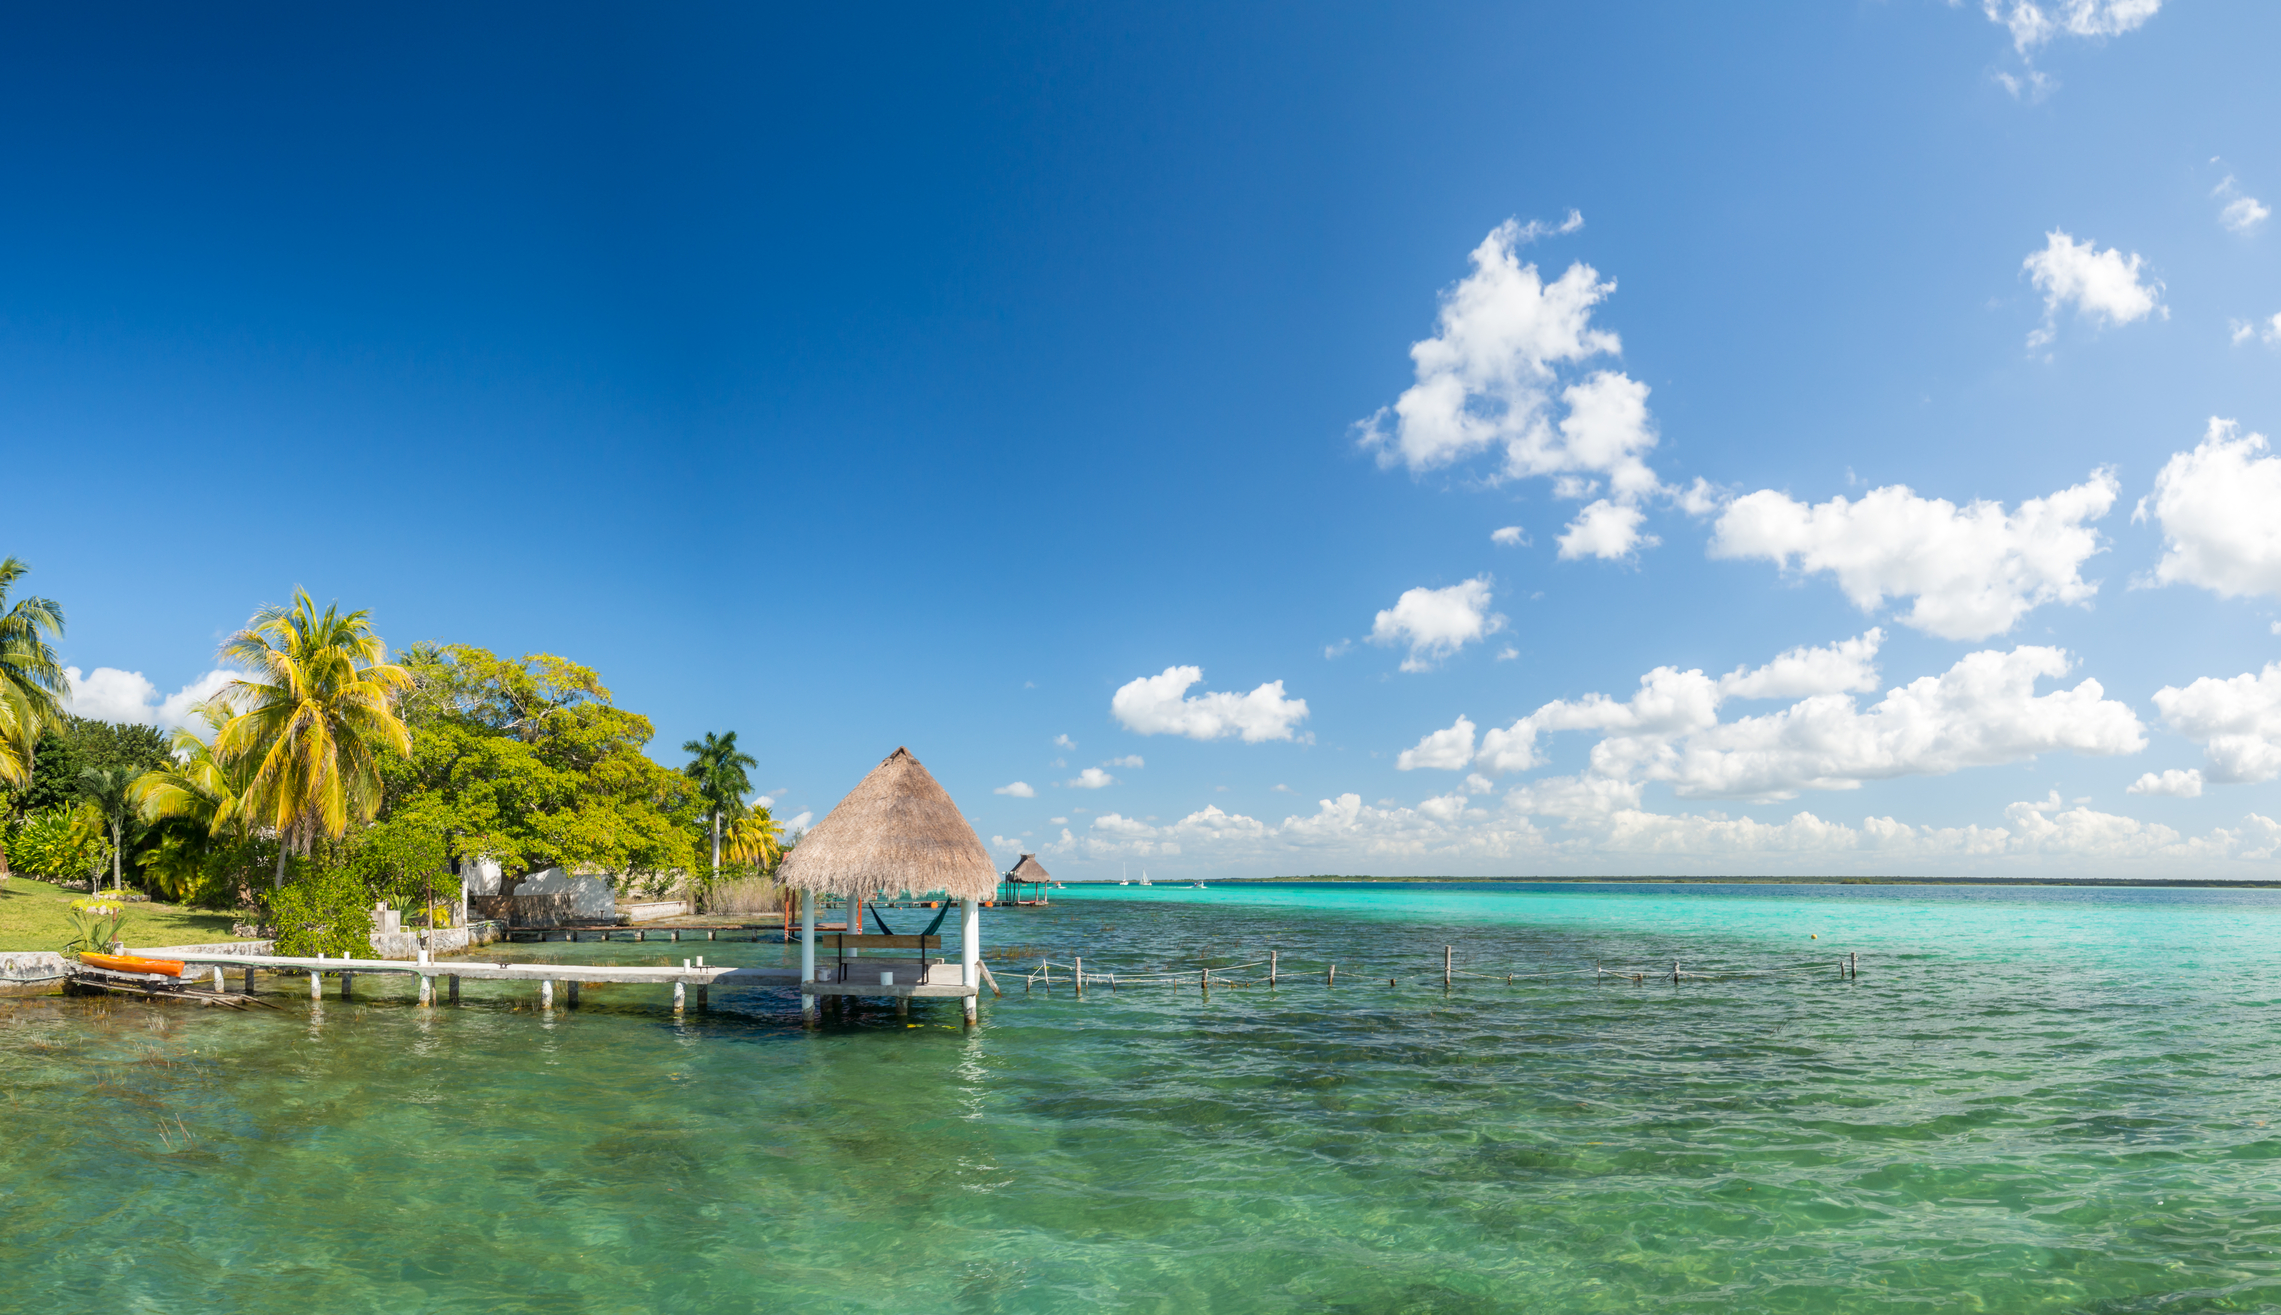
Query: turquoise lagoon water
x=2031, y=1099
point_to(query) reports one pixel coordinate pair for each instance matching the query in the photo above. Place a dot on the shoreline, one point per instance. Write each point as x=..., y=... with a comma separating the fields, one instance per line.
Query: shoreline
x=2214, y=883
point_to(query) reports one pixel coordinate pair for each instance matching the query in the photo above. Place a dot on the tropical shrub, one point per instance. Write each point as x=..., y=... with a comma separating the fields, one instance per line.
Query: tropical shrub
x=60, y=844
x=95, y=923
x=322, y=910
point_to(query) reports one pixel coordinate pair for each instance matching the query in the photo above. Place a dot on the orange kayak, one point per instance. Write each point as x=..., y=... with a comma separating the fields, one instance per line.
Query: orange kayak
x=132, y=963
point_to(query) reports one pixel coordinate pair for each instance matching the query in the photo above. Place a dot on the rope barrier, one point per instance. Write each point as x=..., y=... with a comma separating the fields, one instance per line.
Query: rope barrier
x=1206, y=977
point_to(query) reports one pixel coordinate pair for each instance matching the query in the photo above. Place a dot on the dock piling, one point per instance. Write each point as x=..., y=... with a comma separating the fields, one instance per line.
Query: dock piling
x=1333, y=978
x=1445, y=967
x=455, y=988
x=546, y=993
x=219, y=989
x=1080, y=973
x=1271, y=967
x=680, y=993
x=348, y=984
x=573, y=985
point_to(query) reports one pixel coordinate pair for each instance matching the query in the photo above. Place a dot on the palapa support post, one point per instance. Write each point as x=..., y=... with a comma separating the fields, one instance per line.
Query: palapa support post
x=970, y=954
x=808, y=955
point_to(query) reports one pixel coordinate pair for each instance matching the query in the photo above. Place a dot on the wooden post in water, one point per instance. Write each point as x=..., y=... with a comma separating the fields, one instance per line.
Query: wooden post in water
x=1080, y=961
x=455, y=988
x=348, y=984
x=1675, y=972
x=1445, y=967
x=1853, y=964
x=573, y=985
x=1271, y=967
x=1333, y=978
x=1204, y=980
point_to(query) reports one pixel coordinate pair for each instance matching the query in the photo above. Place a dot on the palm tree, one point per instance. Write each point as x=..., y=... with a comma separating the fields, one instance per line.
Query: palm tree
x=32, y=681
x=110, y=790
x=756, y=838
x=718, y=769
x=314, y=714
x=194, y=783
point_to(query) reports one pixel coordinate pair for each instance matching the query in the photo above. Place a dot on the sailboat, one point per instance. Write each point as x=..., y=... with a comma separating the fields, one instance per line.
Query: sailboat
x=1144, y=877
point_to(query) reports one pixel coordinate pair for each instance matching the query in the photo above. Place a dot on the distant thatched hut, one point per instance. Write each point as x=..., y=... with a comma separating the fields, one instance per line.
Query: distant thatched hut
x=1028, y=872
x=896, y=833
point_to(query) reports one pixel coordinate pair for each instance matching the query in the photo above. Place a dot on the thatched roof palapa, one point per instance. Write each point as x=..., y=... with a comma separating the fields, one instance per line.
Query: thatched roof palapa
x=896, y=833
x=1029, y=869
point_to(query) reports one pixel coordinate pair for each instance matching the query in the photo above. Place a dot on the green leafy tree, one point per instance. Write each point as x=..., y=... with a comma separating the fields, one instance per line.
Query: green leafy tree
x=717, y=767
x=316, y=714
x=326, y=909
x=109, y=791
x=526, y=761
x=32, y=681
x=202, y=851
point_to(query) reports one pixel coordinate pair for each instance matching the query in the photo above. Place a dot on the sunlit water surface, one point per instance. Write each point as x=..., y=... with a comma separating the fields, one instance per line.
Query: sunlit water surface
x=2028, y=1100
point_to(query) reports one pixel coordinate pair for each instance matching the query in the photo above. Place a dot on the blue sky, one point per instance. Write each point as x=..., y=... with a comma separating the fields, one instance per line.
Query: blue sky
x=909, y=376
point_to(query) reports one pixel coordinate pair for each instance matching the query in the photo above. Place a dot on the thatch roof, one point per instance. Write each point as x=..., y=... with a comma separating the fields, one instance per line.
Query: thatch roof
x=1029, y=869
x=896, y=833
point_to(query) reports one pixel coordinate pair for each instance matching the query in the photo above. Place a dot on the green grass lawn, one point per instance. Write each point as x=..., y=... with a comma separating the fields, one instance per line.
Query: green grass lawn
x=32, y=917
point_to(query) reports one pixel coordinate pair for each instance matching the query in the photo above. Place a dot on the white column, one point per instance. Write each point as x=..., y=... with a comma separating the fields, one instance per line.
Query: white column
x=970, y=952
x=807, y=953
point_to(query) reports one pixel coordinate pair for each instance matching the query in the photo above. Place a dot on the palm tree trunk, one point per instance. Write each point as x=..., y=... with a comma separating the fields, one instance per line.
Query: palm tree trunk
x=716, y=844
x=278, y=882
x=117, y=886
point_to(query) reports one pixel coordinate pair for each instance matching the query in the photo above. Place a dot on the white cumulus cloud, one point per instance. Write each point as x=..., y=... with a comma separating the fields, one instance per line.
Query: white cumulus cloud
x=1490, y=378
x=2220, y=508
x=1092, y=778
x=1973, y=570
x=1509, y=537
x=2180, y=784
x=2237, y=722
x=1437, y=622
x=2267, y=331
x=1848, y=665
x=109, y=694
x=1129, y=760
x=2240, y=214
x=1485, y=377
x=2102, y=286
x=2034, y=22
x=1982, y=711
x=1605, y=530
x=1154, y=705
x=1449, y=749
x=1018, y=789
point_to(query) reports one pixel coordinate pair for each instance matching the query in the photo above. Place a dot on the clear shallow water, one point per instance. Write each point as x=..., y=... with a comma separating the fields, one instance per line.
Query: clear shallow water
x=2031, y=1099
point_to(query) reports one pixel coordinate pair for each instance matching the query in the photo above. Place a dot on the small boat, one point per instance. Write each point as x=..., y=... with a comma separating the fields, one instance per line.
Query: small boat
x=1144, y=877
x=1124, y=883
x=132, y=963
